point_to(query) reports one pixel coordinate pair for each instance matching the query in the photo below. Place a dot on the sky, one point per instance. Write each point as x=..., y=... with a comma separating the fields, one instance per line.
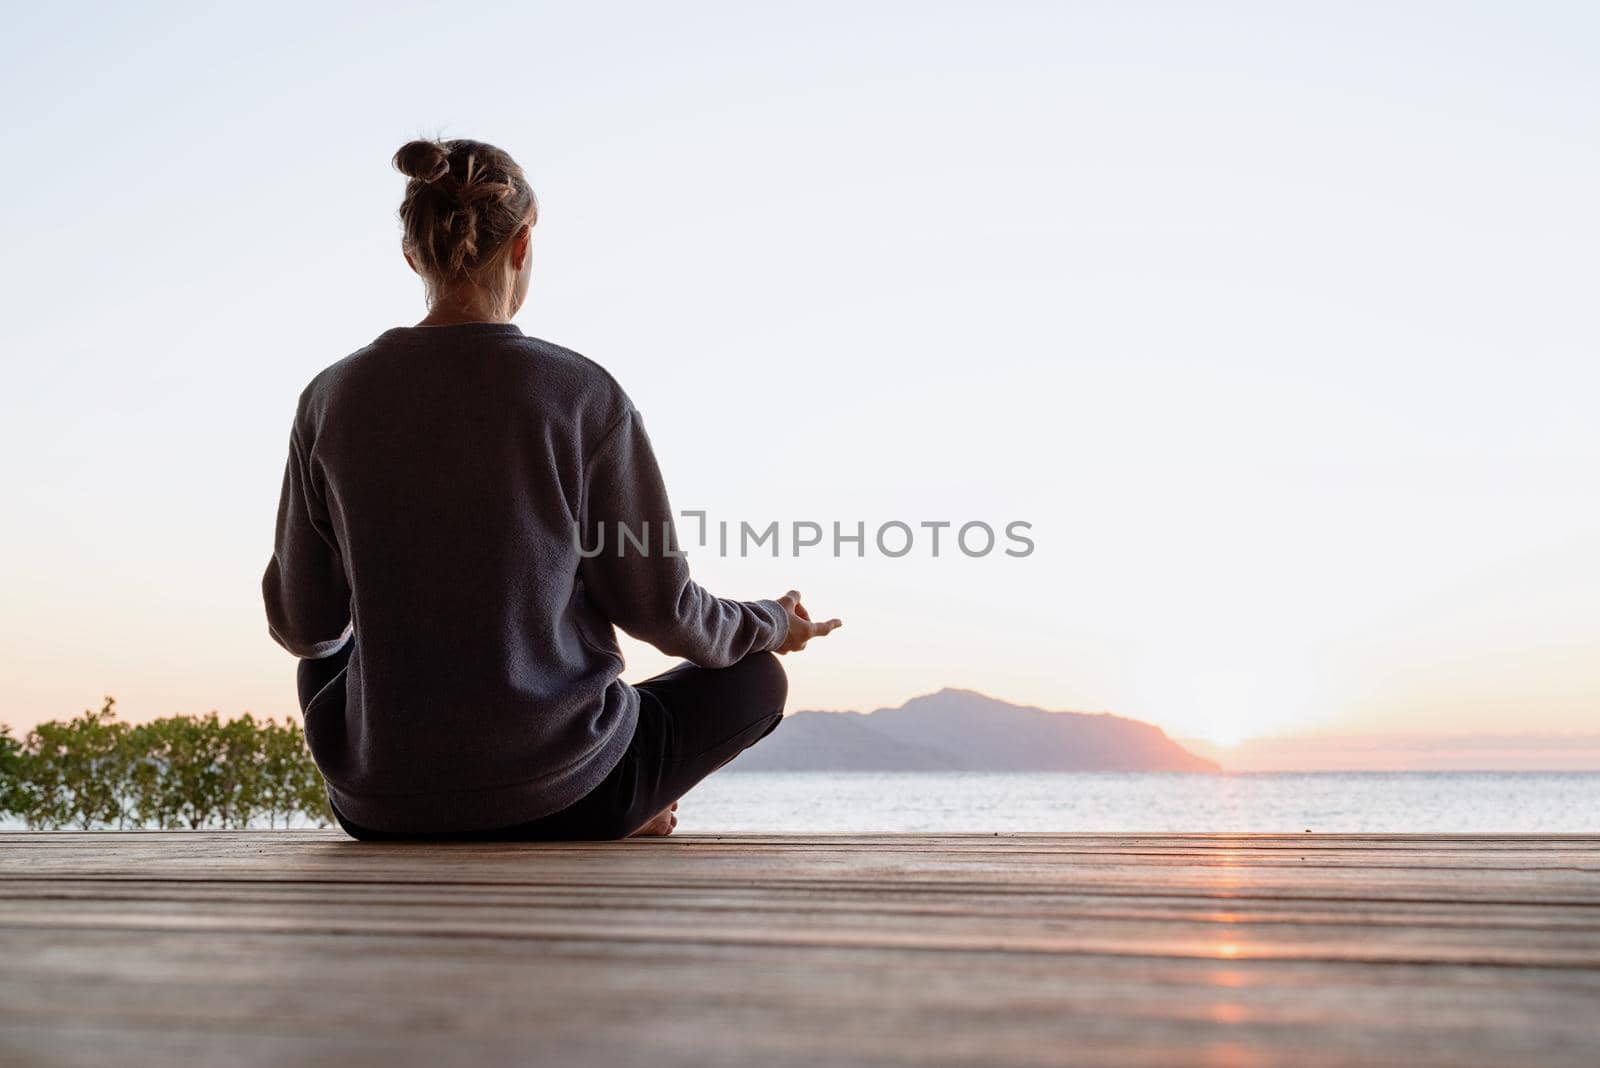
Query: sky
x=1276, y=323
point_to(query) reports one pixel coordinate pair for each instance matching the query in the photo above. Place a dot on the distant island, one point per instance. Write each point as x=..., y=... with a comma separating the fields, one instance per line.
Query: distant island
x=960, y=730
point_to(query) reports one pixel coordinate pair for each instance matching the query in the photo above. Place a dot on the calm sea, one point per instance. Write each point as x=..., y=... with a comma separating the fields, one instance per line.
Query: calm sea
x=1450, y=802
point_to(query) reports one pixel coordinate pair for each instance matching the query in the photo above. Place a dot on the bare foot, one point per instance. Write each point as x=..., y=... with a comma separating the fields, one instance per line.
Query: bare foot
x=661, y=825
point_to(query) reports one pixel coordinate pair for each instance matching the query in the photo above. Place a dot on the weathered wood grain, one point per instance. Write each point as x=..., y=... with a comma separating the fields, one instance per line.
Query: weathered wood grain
x=307, y=948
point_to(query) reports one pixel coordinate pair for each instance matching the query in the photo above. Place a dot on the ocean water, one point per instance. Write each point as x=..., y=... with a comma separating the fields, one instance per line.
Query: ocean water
x=1377, y=802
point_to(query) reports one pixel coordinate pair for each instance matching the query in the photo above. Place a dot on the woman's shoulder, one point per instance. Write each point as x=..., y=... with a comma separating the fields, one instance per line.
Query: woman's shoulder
x=572, y=362
x=585, y=379
x=550, y=379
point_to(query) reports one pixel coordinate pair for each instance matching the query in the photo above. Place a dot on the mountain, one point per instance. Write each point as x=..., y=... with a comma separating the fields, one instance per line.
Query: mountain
x=959, y=730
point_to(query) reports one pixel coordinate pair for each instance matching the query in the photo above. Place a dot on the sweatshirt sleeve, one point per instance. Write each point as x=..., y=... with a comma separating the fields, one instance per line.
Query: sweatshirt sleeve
x=645, y=589
x=305, y=589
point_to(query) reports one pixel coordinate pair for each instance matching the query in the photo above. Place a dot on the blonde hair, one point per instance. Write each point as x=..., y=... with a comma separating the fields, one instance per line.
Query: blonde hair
x=464, y=202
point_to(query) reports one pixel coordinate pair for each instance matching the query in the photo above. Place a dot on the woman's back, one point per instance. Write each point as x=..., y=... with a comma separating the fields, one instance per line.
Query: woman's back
x=447, y=464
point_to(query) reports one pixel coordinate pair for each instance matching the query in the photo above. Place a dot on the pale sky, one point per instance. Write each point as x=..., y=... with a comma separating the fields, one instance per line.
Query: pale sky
x=1277, y=323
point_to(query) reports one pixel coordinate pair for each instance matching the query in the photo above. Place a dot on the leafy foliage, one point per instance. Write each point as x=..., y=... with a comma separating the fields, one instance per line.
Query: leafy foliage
x=95, y=771
x=15, y=796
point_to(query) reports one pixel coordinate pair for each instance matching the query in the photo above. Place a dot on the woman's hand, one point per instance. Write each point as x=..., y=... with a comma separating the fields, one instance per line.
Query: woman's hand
x=801, y=628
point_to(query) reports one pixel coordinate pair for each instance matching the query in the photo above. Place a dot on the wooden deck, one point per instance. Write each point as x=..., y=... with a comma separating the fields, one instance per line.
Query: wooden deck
x=307, y=948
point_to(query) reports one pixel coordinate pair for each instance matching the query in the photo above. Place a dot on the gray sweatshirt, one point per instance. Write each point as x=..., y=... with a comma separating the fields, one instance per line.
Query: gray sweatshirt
x=433, y=483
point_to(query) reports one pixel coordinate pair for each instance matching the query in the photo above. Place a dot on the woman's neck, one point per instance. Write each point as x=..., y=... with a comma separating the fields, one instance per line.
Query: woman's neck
x=446, y=312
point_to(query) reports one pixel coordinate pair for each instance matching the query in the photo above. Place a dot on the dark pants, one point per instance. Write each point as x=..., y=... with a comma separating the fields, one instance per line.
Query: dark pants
x=692, y=720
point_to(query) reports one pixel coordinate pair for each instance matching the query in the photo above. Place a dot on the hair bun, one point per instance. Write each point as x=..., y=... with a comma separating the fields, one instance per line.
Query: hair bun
x=454, y=228
x=425, y=161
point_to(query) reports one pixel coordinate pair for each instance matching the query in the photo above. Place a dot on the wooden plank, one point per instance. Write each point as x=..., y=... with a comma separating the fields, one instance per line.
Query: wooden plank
x=305, y=947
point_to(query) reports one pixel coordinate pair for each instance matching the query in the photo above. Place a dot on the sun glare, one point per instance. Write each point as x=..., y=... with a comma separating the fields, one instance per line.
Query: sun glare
x=1225, y=736
x=1210, y=693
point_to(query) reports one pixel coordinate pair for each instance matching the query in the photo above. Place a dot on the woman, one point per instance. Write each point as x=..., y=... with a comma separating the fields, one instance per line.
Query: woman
x=466, y=512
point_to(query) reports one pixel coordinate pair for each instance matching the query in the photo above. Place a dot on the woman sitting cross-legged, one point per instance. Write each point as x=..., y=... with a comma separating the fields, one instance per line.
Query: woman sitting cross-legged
x=467, y=512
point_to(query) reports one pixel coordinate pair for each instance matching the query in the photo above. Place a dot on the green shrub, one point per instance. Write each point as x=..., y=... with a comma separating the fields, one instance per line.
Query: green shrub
x=15, y=799
x=178, y=772
x=76, y=771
